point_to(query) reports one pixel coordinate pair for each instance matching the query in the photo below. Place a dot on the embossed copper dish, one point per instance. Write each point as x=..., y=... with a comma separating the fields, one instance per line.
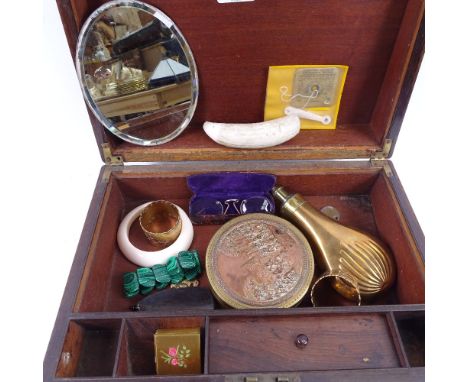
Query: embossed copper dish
x=259, y=261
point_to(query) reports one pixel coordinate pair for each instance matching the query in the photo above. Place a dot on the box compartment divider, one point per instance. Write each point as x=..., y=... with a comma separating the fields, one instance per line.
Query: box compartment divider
x=397, y=340
x=121, y=347
x=206, y=349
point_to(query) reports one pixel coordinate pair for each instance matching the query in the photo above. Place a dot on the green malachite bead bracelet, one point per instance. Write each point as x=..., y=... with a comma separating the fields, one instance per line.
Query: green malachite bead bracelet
x=186, y=265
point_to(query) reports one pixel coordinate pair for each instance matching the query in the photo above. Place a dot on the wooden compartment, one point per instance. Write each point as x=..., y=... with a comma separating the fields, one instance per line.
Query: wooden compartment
x=363, y=197
x=136, y=357
x=89, y=349
x=267, y=344
x=411, y=327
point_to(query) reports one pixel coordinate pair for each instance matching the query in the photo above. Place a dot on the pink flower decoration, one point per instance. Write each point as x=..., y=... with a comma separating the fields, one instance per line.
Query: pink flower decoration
x=173, y=352
x=174, y=362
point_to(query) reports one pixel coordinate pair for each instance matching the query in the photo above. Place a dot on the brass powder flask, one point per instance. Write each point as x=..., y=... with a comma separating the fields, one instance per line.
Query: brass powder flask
x=356, y=264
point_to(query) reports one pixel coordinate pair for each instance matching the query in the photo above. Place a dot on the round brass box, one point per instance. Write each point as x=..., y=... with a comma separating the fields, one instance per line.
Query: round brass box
x=259, y=261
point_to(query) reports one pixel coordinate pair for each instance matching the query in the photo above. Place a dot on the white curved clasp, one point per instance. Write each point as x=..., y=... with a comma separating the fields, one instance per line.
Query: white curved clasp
x=324, y=119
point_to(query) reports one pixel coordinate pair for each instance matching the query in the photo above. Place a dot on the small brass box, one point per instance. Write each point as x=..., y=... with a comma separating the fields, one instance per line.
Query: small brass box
x=177, y=351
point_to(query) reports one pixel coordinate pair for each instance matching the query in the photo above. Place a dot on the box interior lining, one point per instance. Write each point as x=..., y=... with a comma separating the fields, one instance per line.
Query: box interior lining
x=363, y=198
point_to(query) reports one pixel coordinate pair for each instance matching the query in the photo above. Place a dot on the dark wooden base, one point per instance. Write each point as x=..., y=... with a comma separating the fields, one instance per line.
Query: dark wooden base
x=96, y=335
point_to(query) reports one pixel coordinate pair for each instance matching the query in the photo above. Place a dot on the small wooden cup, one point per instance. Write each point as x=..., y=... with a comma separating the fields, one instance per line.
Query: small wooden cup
x=161, y=223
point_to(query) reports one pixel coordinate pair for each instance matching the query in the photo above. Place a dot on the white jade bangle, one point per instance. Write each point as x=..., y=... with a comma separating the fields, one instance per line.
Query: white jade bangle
x=148, y=259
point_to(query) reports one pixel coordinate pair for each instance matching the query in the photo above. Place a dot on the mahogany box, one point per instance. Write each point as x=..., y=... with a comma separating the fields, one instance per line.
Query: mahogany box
x=97, y=338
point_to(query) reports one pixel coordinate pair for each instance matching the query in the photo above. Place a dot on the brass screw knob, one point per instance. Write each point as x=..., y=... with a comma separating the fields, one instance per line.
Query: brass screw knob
x=302, y=341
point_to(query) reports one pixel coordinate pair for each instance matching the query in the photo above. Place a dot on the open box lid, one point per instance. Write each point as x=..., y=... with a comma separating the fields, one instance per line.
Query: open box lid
x=382, y=42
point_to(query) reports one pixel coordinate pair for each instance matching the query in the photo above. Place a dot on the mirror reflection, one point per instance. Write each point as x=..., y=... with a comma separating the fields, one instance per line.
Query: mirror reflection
x=137, y=73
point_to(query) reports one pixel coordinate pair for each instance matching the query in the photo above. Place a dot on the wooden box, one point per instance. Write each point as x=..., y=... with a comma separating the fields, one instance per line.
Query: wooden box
x=96, y=337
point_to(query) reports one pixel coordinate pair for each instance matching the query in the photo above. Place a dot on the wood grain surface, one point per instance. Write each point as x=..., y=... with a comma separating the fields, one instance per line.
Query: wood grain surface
x=261, y=344
x=234, y=44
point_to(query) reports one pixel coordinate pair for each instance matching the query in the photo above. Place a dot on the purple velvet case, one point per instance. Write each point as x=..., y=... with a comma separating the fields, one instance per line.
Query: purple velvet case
x=219, y=197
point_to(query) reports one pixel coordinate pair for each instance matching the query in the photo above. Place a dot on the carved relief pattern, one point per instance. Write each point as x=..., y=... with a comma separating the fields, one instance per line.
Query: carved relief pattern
x=261, y=252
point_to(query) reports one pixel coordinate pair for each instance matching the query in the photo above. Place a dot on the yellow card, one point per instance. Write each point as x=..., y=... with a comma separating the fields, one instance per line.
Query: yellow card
x=313, y=88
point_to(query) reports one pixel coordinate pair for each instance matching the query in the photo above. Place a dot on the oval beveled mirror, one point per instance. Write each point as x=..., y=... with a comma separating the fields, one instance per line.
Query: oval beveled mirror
x=137, y=72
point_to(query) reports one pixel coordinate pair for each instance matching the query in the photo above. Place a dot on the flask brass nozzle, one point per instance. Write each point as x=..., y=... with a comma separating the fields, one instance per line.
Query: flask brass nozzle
x=280, y=194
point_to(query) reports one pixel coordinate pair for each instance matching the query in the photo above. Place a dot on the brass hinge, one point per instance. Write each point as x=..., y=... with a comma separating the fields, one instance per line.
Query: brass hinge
x=114, y=160
x=383, y=163
x=379, y=158
x=383, y=154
